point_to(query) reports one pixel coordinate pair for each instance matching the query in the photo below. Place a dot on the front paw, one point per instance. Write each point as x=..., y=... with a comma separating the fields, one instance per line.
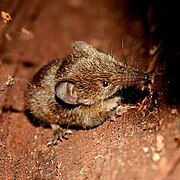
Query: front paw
x=58, y=134
x=113, y=103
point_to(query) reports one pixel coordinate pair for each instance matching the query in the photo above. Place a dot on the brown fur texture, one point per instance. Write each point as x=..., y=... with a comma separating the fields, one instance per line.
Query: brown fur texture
x=80, y=89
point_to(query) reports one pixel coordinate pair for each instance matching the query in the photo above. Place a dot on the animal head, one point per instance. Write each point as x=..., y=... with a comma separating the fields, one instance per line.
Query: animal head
x=94, y=76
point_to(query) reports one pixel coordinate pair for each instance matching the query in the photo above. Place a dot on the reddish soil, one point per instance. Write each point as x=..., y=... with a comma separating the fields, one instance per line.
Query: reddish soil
x=131, y=147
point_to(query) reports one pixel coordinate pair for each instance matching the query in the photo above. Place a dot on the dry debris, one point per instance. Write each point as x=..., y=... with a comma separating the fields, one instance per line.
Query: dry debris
x=26, y=35
x=8, y=37
x=6, y=16
x=160, y=142
x=11, y=80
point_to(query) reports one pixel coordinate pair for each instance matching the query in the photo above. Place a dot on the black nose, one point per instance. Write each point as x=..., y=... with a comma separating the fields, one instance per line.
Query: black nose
x=146, y=80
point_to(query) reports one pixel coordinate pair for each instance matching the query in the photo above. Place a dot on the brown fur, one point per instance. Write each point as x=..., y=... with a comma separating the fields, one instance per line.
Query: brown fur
x=96, y=77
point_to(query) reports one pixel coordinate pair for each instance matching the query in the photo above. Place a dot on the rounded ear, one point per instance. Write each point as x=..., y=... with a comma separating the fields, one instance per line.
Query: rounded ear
x=66, y=92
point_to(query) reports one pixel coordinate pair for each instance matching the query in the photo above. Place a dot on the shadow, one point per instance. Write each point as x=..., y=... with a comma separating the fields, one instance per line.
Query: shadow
x=37, y=122
x=133, y=95
x=161, y=24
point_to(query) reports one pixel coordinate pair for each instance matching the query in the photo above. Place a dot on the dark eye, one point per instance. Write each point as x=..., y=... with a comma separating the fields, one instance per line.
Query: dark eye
x=147, y=80
x=146, y=77
x=105, y=83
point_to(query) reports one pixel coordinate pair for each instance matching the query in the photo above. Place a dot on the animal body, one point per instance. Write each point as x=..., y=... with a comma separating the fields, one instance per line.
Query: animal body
x=81, y=89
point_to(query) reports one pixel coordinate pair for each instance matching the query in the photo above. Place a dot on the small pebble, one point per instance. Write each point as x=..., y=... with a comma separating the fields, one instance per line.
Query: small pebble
x=160, y=142
x=145, y=149
x=156, y=157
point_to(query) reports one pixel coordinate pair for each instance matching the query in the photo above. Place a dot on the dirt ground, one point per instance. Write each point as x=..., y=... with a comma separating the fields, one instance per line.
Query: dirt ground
x=131, y=147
